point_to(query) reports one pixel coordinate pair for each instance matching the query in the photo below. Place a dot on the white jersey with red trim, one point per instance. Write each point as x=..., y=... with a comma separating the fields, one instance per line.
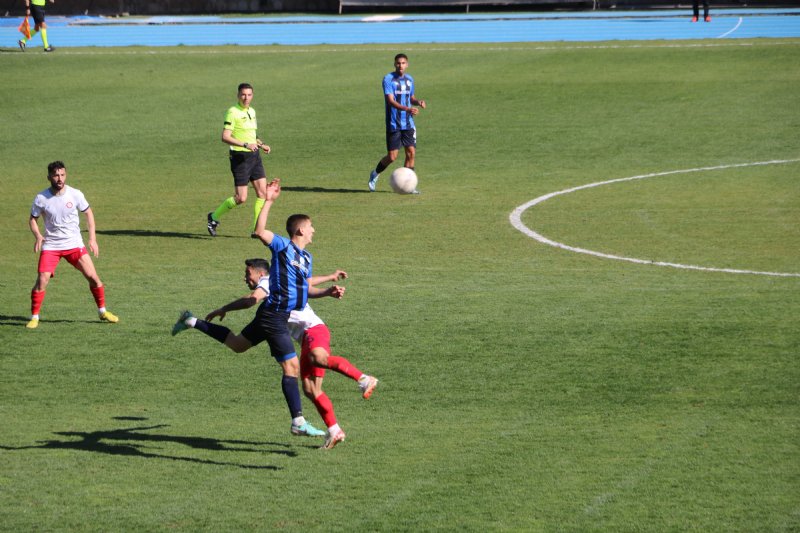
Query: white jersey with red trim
x=62, y=224
x=299, y=321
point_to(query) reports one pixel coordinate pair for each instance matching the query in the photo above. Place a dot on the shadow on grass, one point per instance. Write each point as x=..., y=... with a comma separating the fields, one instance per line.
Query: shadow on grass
x=6, y=320
x=152, y=233
x=13, y=320
x=323, y=189
x=133, y=442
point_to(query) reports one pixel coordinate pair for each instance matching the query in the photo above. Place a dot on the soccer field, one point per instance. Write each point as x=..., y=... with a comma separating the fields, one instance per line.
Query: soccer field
x=523, y=386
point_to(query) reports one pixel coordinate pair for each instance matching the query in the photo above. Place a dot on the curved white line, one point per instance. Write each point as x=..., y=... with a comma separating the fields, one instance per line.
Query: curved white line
x=516, y=220
x=733, y=30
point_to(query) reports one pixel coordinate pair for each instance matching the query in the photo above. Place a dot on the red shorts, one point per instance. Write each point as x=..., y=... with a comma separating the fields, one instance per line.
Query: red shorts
x=316, y=337
x=48, y=259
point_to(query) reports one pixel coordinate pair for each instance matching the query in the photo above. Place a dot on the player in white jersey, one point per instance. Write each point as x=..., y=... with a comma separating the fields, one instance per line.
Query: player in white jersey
x=60, y=204
x=315, y=357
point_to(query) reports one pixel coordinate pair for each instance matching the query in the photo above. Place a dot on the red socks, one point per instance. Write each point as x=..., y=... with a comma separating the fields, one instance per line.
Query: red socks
x=325, y=409
x=37, y=297
x=99, y=294
x=343, y=366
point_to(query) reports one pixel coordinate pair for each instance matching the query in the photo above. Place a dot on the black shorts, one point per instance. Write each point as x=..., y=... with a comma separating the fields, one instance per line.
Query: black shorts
x=398, y=138
x=246, y=167
x=37, y=12
x=272, y=327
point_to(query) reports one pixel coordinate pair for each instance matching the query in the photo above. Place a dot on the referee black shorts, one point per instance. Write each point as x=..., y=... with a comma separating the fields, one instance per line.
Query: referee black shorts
x=272, y=327
x=246, y=167
x=37, y=12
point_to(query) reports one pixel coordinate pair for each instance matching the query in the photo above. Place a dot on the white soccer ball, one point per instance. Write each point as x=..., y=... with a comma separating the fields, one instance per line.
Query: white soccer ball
x=403, y=180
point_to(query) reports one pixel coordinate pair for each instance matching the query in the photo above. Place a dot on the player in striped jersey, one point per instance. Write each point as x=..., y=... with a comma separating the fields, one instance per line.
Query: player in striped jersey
x=288, y=290
x=400, y=102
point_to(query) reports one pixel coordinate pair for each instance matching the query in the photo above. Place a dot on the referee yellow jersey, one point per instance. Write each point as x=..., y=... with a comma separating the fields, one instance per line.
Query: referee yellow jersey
x=242, y=122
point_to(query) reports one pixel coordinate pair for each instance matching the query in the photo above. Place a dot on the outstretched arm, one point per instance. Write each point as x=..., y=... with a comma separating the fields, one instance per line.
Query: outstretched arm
x=316, y=280
x=334, y=291
x=261, y=231
x=245, y=302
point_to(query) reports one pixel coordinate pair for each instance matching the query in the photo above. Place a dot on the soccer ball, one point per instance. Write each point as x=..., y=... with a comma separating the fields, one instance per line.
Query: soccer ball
x=403, y=180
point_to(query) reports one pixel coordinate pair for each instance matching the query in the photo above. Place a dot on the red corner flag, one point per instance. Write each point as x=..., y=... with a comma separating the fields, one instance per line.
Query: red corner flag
x=25, y=28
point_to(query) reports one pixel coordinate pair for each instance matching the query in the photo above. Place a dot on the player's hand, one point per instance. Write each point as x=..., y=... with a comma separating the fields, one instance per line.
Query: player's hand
x=215, y=313
x=37, y=246
x=273, y=190
x=414, y=111
x=264, y=147
x=339, y=274
x=422, y=104
x=336, y=291
x=94, y=249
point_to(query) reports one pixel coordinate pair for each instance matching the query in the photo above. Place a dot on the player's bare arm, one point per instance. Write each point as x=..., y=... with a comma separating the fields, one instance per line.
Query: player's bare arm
x=418, y=102
x=92, y=236
x=245, y=302
x=316, y=280
x=395, y=104
x=261, y=231
x=33, y=223
x=334, y=291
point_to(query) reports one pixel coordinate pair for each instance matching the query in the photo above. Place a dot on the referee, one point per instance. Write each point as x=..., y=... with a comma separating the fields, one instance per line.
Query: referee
x=239, y=132
x=35, y=8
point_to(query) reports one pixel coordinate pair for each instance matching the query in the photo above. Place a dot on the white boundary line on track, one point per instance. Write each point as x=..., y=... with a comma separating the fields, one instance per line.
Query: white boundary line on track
x=732, y=30
x=320, y=49
x=516, y=221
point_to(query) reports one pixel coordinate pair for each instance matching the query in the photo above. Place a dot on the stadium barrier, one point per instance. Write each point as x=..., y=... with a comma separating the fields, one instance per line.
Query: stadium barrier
x=465, y=3
x=16, y=8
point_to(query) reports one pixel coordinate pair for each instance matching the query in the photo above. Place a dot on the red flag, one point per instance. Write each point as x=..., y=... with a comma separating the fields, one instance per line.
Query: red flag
x=25, y=28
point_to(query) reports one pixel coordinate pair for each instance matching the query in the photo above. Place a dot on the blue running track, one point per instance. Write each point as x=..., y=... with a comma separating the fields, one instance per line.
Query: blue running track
x=390, y=29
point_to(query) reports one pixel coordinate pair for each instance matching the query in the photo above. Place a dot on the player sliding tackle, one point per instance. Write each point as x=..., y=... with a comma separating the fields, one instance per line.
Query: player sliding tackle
x=284, y=290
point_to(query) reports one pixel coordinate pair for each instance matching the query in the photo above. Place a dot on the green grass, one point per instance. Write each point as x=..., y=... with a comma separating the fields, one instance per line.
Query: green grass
x=523, y=387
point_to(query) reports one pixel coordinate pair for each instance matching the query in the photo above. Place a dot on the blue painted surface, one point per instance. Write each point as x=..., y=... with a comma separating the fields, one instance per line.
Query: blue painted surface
x=387, y=29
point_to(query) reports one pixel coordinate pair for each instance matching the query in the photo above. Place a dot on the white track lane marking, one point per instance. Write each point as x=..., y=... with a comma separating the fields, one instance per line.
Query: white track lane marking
x=516, y=220
x=733, y=30
x=357, y=48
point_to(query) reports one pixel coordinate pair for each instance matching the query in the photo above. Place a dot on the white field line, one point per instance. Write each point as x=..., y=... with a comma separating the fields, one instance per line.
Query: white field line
x=732, y=30
x=516, y=220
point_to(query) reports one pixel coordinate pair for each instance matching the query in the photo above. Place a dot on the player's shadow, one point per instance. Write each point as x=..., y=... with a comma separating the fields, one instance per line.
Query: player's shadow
x=6, y=320
x=323, y=189
x=134, y=442
x=151, y=233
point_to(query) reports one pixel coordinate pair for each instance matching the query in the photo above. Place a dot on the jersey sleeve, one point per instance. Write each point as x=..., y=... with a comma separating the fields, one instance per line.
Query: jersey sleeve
x=37, y=207
x=229, y=119
x=279, y=243
x=263, y=284
x=80, y=201
x=388, y=86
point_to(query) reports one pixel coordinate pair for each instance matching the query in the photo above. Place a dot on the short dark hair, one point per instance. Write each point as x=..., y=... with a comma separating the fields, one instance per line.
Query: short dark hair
x=293, y=222
x=257, y=263
x=398, y=56
x=52, y=167
x=244, y=86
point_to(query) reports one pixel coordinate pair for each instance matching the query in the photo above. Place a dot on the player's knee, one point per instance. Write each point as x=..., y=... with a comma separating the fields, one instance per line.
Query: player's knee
x=236, y=343
x=319, y=358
